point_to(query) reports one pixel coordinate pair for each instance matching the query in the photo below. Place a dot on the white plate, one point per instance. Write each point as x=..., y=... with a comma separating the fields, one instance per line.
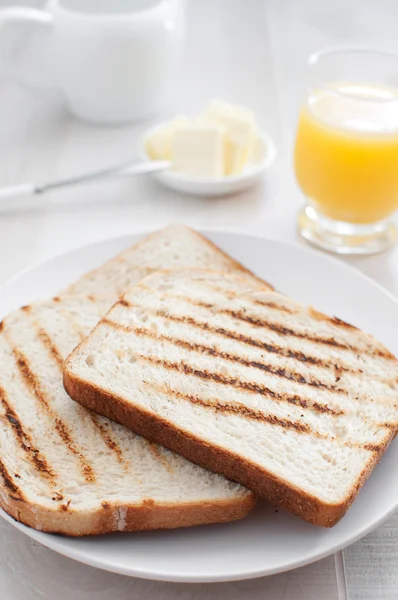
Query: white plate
x=251, y=174
x=266, y=542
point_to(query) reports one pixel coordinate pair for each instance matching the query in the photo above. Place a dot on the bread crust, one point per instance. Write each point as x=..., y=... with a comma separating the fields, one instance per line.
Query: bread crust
x=233, y=264
x=216, y=459
x=110, y=517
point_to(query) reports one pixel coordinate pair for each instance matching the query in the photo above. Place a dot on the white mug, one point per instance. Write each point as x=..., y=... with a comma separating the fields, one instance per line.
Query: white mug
x=112, y=61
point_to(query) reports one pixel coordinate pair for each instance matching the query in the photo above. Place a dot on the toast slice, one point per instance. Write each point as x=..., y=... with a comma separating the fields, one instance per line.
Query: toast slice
x=175, y=246
x=64, y=469
x=295, y=405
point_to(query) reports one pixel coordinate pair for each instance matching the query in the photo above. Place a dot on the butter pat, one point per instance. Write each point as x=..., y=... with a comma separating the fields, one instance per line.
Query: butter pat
x=159, y=145
x=241, y=132
x=199, y=151
x=220, y=142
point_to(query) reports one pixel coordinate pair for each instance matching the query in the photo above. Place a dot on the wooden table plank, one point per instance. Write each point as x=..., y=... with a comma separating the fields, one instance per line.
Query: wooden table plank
x=371, y=564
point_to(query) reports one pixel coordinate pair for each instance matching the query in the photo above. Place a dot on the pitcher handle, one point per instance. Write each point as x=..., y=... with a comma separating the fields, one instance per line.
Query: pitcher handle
x=10, y=56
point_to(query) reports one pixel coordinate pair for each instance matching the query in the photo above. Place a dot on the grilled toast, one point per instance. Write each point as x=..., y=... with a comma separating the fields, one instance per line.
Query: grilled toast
x=175, y=246
x=66, y=470
x=295, y=405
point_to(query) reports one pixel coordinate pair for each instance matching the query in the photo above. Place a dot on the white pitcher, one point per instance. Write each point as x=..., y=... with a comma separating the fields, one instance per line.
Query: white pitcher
x=112, y=61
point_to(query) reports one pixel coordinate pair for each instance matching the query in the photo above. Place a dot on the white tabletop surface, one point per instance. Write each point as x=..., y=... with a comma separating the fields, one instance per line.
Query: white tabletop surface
x=249, y=52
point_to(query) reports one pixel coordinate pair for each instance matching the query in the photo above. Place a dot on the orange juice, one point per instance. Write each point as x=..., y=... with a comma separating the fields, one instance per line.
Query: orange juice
x=346, y=156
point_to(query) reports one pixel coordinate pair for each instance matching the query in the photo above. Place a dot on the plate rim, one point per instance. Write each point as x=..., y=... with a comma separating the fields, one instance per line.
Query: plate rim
x=204, y=231
x=55, y=543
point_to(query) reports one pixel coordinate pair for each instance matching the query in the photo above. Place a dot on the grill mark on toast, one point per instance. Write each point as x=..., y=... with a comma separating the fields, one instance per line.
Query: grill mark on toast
x=253, y=302
x=25, y=440
x=241, y=410
x=159, y=456
x=247, y=386
x=237, y=408
x=33, y=384
x=105, y=434
x=200, y=348
x=251, y=387
x=65, y=507
x=9, y=483
x=332, y=320
x=59, y=359
x=273, y=305
x=373, y=447
x=52, y=348
x=112, y=445
x=287, y=331
x=269, y=347
x=280, y=307
x=389, y=426
x=279, y=372
x=340, y=323
x=280, y=329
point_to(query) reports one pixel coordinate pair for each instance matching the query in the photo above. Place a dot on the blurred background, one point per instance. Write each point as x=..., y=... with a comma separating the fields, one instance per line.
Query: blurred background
x=251, y=53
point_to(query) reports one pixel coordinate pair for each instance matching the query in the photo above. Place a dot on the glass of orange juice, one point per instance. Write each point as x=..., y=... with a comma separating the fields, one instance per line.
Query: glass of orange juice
x=346, y=153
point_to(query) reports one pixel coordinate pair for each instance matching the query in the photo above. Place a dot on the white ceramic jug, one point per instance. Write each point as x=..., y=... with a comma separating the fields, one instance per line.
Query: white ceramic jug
x=112, y=61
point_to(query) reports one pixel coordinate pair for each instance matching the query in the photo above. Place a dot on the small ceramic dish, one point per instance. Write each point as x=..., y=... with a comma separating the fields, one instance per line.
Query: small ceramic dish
x=253, y=172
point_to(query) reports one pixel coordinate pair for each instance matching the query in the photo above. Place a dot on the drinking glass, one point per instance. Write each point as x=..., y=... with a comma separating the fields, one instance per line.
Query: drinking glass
x=346, y=153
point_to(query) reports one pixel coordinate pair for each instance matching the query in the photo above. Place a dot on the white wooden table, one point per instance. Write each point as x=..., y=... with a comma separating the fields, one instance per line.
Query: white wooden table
x=251, y=52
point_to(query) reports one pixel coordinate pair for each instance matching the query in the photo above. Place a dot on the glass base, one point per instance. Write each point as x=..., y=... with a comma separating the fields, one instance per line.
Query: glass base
x=346, y=238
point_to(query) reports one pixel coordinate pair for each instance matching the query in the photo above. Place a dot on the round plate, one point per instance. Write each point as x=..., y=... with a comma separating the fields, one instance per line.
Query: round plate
x=267, y=541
